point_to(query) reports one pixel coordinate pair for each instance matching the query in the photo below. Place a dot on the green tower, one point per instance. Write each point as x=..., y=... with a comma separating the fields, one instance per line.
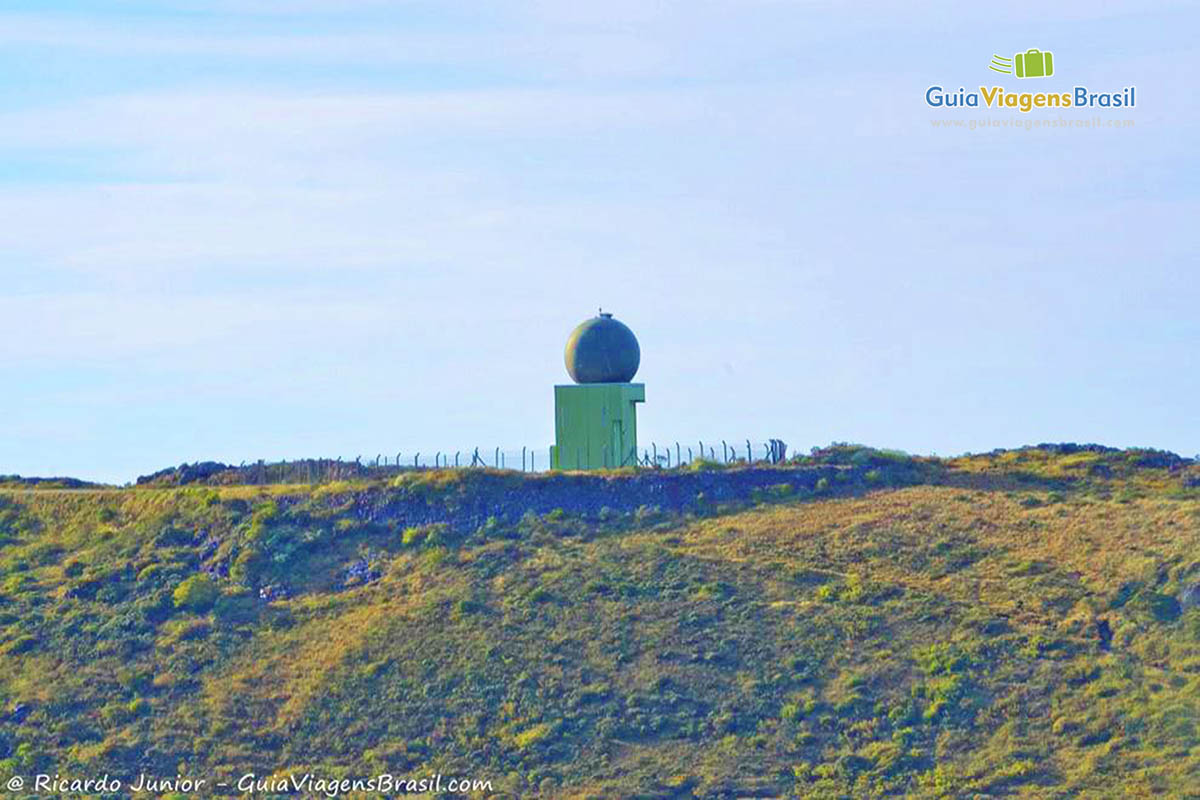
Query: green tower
x=595, y=419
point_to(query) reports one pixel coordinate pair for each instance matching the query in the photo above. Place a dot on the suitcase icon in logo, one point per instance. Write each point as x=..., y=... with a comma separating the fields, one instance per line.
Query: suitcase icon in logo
x=1034, y=63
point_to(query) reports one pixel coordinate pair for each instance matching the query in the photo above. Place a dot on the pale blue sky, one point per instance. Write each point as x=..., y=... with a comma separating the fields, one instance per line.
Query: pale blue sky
x=291, y=228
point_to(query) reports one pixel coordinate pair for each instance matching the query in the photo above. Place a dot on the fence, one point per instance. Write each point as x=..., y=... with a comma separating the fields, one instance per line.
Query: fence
x=654, y=455
x=773, y=451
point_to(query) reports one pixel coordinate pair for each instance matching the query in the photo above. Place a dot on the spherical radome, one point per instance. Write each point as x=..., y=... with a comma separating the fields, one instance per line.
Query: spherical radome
x=602, y=350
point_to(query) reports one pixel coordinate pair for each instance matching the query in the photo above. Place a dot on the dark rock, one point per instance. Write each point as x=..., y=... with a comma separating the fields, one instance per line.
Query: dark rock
x=208, y=547
x=360, y=572
x=184, y=474
x=1158, y=459
x=1104, y=634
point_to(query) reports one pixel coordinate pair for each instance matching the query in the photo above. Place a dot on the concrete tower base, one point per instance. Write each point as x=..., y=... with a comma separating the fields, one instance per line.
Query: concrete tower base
x=595, y=425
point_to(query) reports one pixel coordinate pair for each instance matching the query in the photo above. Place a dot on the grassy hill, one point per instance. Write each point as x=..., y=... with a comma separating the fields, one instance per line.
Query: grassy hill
x=853, y=624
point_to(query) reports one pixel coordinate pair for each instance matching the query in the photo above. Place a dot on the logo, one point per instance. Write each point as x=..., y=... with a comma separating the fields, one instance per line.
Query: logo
x=1033, y=63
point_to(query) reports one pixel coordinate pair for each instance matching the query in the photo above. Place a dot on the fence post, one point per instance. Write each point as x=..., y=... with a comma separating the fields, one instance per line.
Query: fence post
x=522, y=459
x=701, y=449
x=678, y=454
x=689, y=454
x=416, y=459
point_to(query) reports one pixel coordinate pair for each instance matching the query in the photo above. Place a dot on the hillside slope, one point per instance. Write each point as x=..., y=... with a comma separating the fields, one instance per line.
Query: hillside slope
x=1018, y=624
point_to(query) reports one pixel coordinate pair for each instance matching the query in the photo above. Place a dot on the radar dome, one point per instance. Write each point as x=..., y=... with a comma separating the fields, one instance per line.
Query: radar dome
x=602, y=350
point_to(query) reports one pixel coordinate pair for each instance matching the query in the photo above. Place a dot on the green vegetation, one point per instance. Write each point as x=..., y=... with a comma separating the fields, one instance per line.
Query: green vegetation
x=197, y=593
x=1020, y=624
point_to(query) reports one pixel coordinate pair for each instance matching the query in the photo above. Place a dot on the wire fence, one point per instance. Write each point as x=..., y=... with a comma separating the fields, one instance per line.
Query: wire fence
x=530, y=459
x=653, y=455
x=772, y=451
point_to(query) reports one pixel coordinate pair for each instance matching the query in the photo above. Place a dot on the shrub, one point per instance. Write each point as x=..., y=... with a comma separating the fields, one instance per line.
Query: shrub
x=776, y=492
x=437, y=535
x=197, y=593
x=189, y=629
x=45, y=554
x=434, y=535
x=171, y=536
x=858, y=589
x=943, y=659
x=247, y=568
x=539, y=594
x=134, y=680
x=262, y=516
x=466, y=607
x=22, y=644
x=531, y=736
x=1162, y=607
x=15, y=584
x=647, y=514
x=236, y=608
x=115, y=714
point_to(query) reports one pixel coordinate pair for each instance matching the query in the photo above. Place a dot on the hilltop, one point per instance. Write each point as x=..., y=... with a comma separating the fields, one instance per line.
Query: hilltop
x=852, y=623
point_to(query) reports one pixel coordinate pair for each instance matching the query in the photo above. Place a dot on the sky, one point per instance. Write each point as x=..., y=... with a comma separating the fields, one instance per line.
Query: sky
x=299, y=228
